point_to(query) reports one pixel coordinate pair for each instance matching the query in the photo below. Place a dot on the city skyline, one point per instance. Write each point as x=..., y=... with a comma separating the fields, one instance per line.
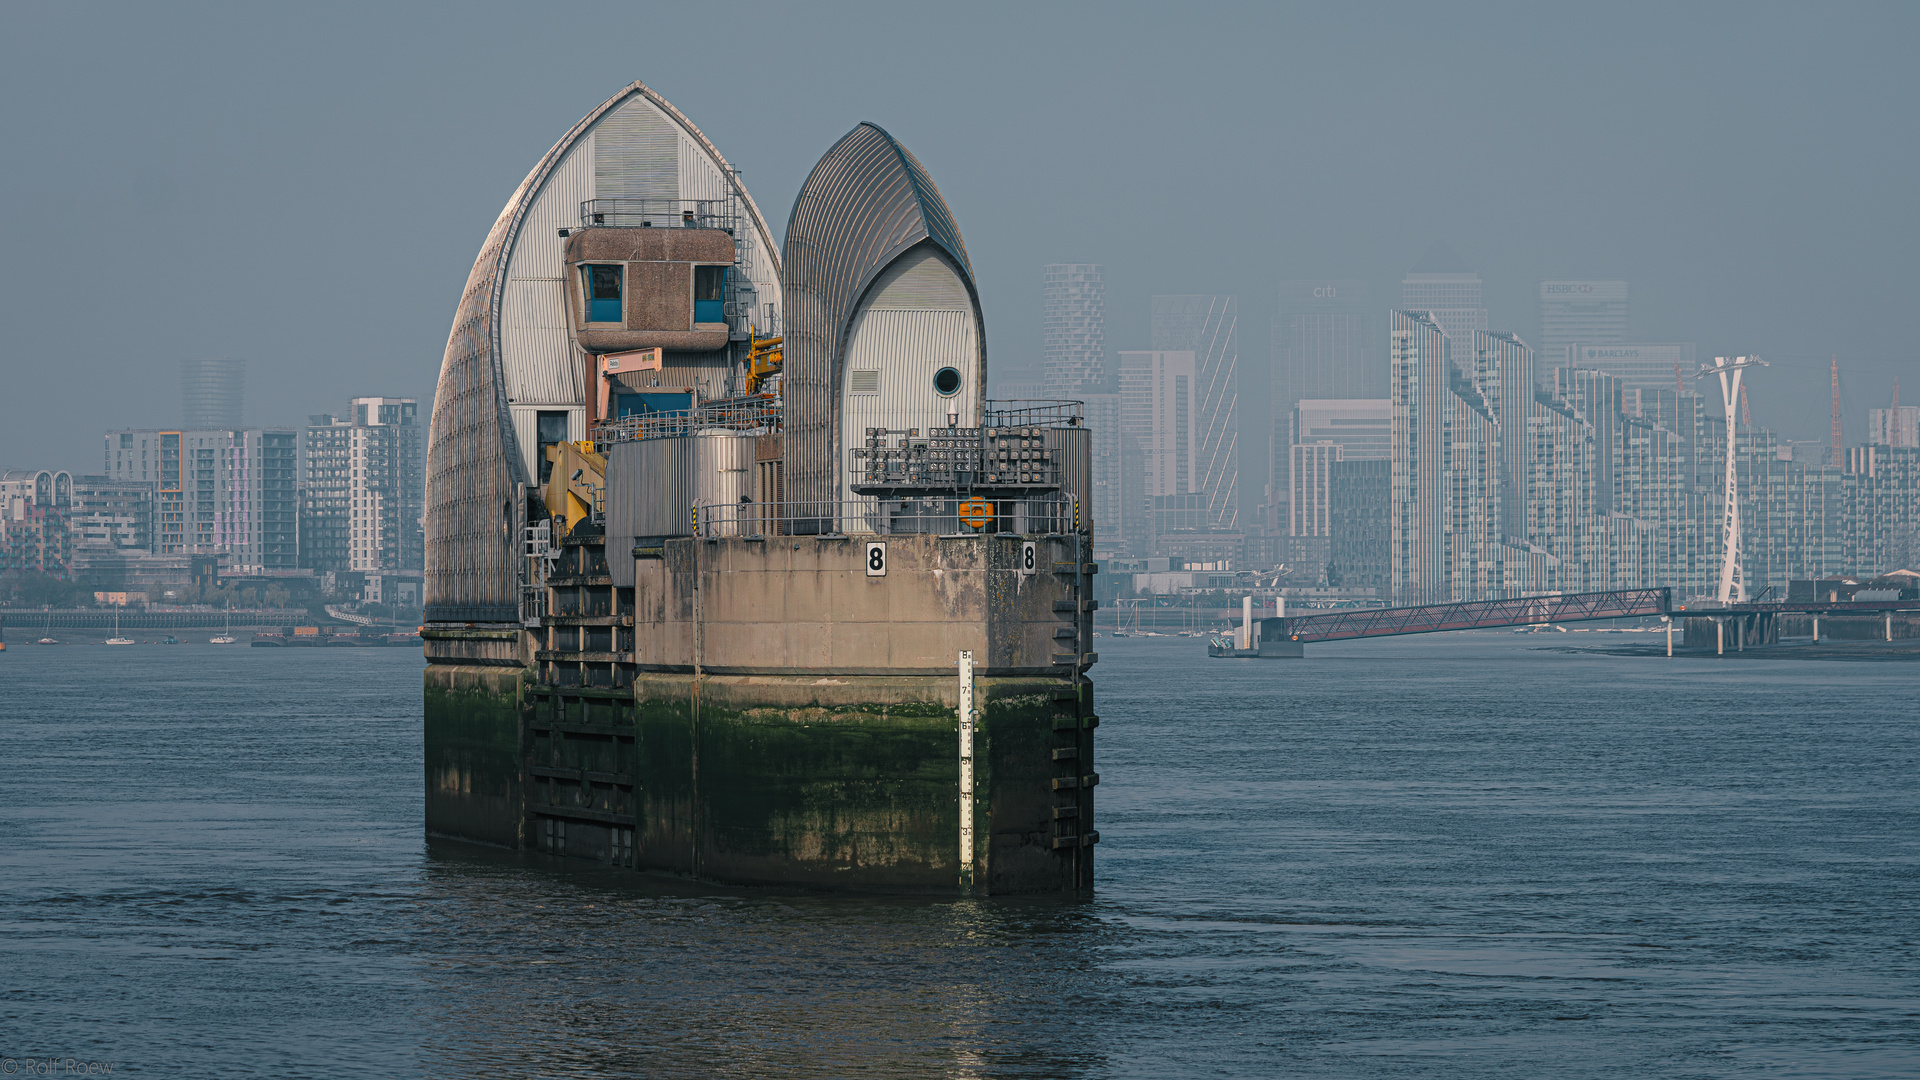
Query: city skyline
x=1663, y=203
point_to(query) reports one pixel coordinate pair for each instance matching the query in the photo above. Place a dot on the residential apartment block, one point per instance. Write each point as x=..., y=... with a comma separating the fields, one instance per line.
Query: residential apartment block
x=228, y=491
x=363, y=486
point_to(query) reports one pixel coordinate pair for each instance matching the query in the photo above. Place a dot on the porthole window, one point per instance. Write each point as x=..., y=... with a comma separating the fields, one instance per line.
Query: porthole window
x=947, y=381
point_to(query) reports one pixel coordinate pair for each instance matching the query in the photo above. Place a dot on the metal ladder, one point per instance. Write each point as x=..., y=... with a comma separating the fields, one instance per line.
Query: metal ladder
x=1073, y=723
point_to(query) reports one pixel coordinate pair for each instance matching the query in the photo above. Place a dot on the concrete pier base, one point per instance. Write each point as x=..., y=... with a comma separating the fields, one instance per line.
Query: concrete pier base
x=852, y=782
x=772, y=712
x=474, y=772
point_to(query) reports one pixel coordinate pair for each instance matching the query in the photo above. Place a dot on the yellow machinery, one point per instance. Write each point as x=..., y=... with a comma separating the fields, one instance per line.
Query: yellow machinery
x=575, y=484
x=763, y=360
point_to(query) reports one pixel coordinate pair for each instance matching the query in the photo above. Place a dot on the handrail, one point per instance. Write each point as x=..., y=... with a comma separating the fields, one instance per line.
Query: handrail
x=761, y=414
x=944, y=514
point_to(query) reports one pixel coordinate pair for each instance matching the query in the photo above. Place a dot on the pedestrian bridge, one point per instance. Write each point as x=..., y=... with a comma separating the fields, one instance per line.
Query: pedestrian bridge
x=1284, y=635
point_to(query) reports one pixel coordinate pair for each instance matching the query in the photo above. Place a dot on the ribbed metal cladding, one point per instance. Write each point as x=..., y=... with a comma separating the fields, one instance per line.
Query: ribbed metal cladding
x=866, y=201
x=473, y=456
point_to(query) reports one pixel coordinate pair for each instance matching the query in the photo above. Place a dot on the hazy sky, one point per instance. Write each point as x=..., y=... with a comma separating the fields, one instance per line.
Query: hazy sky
x=306, y=187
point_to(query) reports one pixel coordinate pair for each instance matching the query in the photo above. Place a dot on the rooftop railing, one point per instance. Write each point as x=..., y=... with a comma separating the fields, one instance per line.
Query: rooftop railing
x=757, y=414
x=947, y=515
x=1034, y=412
x=659, y=214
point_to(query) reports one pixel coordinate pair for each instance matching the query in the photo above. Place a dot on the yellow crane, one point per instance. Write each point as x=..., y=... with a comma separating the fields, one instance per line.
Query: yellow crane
x=763, y=360
x=575, y=483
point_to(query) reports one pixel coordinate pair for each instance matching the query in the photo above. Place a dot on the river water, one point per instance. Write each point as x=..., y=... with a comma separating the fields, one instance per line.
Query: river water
x=1464, y=855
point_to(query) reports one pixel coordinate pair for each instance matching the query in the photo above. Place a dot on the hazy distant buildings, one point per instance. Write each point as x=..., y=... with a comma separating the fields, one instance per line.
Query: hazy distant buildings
x=1359, y=498
x=1640, y=366
x=1073, y=326
x=1073, y=329
x=1444, y=536
x=1587, y=313
x=212, y=392
x=228, y=491
x=1327, y=343
x=1895, y=426
x=361, y=505
x=1457, y=404
x=1443, y=285
x=1019, y=390
x=1158, y=419
x=1205, y=327
x=34, y=507
x=1325, y=431
x=112, y=514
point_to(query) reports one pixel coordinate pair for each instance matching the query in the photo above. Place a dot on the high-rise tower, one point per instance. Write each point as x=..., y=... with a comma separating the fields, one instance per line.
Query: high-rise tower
x=1587, y=313
x=1443, y=284
x=1073, y=327
x=212, y=392
x=1204, y=326
x=1073, y=320
x=1327, y=344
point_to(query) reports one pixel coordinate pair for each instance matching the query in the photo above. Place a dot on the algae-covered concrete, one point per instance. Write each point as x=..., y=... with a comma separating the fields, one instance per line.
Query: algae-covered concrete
x=474, y=753
x=784, y=716
x=845, y=783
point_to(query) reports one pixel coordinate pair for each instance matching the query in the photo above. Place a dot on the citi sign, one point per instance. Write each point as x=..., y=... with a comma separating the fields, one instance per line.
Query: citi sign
x=1324, y=292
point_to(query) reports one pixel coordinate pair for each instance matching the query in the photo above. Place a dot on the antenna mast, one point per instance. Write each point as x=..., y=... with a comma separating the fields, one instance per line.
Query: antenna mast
x=1733, y=585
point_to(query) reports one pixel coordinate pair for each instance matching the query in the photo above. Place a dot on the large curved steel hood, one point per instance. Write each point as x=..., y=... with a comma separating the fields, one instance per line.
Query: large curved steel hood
x=474, y=461
x=865, y=203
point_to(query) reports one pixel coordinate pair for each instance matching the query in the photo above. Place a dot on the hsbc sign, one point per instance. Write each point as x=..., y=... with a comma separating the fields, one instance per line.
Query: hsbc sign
x=1584, y=290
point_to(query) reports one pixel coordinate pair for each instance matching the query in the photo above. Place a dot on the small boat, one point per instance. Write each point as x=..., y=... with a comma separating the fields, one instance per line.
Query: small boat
x=116, y=639
x=226, y=636
x=49, y=638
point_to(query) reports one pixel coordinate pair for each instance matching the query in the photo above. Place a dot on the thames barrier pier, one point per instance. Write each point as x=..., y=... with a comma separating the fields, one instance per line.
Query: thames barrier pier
x=732, y=569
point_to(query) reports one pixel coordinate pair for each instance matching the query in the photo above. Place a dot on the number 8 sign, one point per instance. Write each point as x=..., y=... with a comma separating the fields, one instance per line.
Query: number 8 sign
x=1029, y=558
x=876, y=558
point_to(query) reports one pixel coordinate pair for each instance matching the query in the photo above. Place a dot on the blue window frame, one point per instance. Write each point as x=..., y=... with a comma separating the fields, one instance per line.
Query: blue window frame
x=603, y=283
x=709, y=294
x=652, y=403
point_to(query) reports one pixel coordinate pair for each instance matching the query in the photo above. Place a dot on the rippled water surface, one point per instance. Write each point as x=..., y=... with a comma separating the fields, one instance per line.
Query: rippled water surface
x=1455, y=856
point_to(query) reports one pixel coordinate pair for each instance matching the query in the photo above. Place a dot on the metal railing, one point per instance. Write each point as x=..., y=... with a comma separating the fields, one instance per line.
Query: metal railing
x=660, y=214
x=1478, y=614
x=937, y=515
x=757, y=414
x=1034, y=412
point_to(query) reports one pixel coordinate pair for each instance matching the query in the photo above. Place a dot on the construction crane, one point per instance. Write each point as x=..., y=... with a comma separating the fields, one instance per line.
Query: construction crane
x=1746, y=412
x=1679, y=380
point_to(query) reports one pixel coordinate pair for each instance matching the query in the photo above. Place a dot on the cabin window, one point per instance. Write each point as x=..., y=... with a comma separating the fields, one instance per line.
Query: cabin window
x=709, y=294
x=552, y=431
x=603, y=292
x=653, y=402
